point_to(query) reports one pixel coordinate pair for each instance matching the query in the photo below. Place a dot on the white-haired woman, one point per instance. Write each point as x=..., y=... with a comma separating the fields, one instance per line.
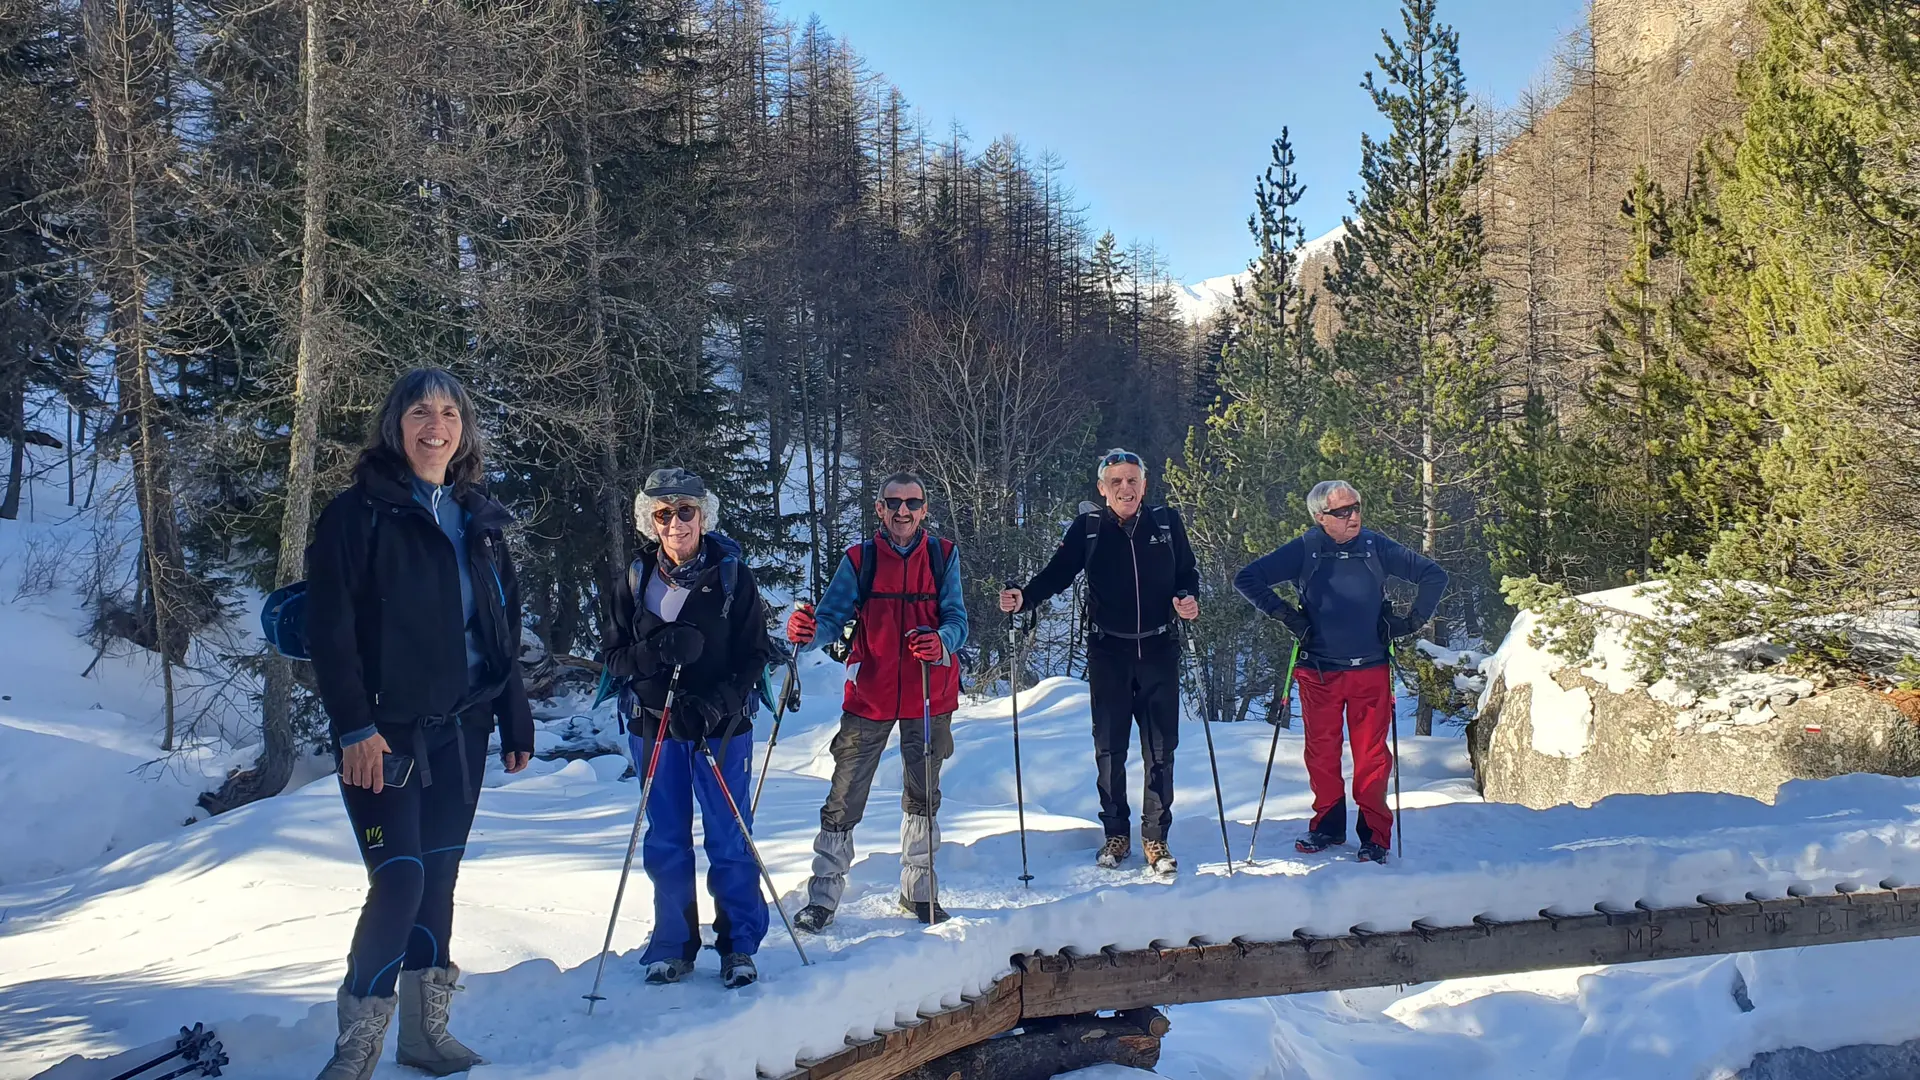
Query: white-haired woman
x=413, y=618
x=691, y=576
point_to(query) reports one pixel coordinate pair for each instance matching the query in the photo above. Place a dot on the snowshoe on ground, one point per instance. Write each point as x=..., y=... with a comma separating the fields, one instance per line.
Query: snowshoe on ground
x=813, y=918
x=363, y=1031
x=1371, y=852
x=1315, y=842
x=1159, y=859
x=425, y=999
x=918, y=909
x=662, y=972
x=1116, y=850
x=737, y=970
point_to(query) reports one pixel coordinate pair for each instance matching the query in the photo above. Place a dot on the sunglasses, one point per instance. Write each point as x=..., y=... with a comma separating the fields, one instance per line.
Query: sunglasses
x=1123, y=457
x=685, y=512
x=895, y=503
x=1342, y=512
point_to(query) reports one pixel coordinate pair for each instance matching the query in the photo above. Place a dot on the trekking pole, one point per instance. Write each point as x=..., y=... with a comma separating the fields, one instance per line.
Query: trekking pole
x=1019, y=785
x=1206, y=725
x=1393, y=725
x=633, y=841
x=779, y=710
x=1286, y=702
x=926, y=760
x=720, y=778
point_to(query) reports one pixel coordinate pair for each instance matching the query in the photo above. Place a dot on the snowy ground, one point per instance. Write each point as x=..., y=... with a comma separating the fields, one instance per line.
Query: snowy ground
x=242, y=921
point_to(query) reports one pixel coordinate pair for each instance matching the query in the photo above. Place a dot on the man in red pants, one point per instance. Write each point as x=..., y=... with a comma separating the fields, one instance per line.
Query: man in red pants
x=1339, y=572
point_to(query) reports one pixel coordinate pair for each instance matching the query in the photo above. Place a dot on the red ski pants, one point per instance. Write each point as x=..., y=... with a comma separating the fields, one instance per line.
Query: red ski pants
x=1363, y=699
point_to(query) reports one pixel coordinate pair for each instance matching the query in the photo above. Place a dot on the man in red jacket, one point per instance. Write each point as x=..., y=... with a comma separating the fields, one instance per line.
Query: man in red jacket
x=904, y=587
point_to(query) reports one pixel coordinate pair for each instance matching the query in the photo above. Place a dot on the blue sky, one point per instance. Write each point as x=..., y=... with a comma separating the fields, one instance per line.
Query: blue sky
x=1164, y=112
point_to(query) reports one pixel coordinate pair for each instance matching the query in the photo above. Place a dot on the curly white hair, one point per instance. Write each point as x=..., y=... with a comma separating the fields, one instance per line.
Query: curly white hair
x=644, y=505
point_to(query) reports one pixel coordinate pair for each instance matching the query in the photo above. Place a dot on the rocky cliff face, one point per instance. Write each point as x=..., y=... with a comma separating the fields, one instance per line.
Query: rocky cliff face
x=1646, y=35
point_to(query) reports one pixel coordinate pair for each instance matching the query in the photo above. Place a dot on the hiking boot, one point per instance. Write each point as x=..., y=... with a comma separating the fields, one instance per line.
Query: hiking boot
x=1315, y=842
x=1115, y=851
x=662, y=972
x=813, y=918
x=1159, y=859
x=918, y=909
x=363, y=1031
x=1372, y=852
x=737, y=970
x=425, y=998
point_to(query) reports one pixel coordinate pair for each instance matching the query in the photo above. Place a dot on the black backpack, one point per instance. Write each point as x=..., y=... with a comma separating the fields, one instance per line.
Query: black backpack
x=939, y=556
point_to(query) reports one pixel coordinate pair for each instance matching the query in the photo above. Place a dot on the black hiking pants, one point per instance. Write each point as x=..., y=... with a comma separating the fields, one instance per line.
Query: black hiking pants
x=412, y=839
x=1135, y=684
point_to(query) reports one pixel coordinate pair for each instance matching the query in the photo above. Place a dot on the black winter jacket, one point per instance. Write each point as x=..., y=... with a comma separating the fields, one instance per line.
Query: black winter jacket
x=1131, y=581
x=731, y=662
x=384, y=618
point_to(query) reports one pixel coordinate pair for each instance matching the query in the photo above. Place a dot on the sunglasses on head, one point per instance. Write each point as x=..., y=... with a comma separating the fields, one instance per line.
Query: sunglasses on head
x=1342, y=512
x=685, y=512
x=1121, y=457
x=895, y=503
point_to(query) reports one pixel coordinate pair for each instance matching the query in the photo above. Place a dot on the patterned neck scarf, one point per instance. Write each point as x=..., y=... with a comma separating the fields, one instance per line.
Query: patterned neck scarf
x=684, y=574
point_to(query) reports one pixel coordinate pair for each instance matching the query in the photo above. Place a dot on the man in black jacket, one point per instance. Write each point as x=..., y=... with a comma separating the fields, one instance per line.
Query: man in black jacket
x=1140, y=575
x=693, y=581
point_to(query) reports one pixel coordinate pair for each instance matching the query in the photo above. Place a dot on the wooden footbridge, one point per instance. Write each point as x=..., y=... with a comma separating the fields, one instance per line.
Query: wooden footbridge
x=1055, y=1000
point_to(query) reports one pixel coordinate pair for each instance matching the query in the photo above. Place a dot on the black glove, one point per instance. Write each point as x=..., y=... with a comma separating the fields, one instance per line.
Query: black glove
x=1394, y=626
x=1295, y=620
x=688, y=719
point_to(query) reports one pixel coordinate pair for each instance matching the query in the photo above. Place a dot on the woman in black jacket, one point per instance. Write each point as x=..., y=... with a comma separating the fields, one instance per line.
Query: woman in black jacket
x=692, y=577
x=413, y=619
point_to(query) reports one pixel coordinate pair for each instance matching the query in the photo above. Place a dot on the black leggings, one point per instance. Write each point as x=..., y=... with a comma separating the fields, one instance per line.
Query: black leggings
x=411, y=839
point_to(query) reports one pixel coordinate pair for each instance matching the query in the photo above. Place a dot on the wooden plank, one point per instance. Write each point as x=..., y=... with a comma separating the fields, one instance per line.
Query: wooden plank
x=1241, y=969
x=886, y=1056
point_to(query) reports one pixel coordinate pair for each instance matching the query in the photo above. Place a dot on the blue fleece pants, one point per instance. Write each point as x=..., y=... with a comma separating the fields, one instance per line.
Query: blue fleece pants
x=733, y=879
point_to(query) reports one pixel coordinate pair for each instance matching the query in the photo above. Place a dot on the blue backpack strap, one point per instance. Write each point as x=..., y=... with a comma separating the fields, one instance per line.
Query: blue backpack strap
x=863, y=570
x=939, y=557
x=729, y=575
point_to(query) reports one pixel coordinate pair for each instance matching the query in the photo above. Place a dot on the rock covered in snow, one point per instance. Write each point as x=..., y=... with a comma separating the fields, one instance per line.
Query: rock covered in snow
x=1551, y=730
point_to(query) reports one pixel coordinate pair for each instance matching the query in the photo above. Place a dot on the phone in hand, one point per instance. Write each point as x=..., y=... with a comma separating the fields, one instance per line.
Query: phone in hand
x=396, y=769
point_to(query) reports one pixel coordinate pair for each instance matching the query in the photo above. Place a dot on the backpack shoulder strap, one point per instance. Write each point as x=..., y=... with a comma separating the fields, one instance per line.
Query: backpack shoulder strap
x=939, y=557
x=1314, y=541
x=863, y=569
x=1377, y=563
x=1091, y=522
x=729, y=576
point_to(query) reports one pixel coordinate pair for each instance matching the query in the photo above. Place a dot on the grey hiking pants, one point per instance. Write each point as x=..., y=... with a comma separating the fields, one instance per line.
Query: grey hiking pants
x=856, y=749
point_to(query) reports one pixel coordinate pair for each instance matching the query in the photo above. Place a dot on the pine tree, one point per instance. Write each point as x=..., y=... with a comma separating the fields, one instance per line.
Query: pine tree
x=1812, y=256
x=1637, y=398
x=1417, y=330
x=1247, y=470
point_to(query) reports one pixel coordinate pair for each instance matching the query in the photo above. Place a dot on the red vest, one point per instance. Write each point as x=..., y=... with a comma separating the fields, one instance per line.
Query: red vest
x=883, y=681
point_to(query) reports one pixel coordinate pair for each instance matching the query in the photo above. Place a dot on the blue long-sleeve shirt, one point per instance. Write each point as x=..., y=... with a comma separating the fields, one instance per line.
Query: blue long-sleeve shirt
x=1343, y=596
x=836, y=608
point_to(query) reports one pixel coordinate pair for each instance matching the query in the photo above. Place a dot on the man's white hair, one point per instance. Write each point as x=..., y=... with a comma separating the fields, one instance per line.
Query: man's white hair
x=1100, y=473
x=644, y=505
x=1323, y=493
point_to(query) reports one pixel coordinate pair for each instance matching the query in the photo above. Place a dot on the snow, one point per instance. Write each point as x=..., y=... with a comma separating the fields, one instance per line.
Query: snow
x=80, y=758
x=241, y=921
x=1710, y=689
x=1202, y=300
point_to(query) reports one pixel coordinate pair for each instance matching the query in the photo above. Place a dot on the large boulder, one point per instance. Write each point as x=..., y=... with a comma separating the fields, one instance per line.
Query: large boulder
x=1549, y=732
